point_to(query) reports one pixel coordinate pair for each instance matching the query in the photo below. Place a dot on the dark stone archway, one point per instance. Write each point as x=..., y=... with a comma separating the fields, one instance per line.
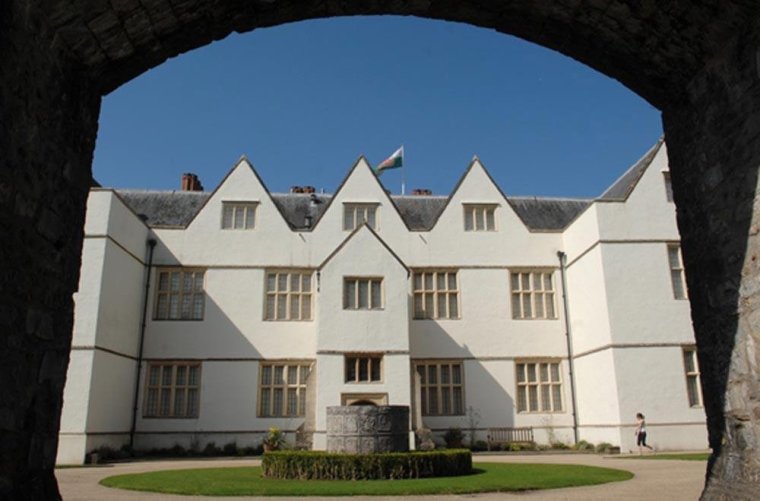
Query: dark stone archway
x=699, y=62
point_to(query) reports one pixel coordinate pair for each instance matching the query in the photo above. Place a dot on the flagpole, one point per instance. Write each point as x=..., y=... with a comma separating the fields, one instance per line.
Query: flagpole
x=403, y=169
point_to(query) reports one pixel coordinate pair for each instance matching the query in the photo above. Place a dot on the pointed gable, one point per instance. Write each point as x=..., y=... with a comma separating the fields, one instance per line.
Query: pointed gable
x=241, y=185
x=362, y=187
x=476, y=187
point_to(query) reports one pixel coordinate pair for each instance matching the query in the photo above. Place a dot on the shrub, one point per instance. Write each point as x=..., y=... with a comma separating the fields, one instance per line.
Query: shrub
x=211, y=450
x=479, y=445
x=560, y=446
x=582, y=445
x=318, y=465
x=603, y=448
x=274, y=439
x=453, y=438
x=230, y=449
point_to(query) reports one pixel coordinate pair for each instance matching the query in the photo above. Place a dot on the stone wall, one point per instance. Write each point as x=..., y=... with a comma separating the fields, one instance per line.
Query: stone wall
x=714, y=146
x=363, y=429
x=48, y=118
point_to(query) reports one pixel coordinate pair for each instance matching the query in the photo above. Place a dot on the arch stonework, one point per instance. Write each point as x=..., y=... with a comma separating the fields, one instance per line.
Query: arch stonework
x=698, y=62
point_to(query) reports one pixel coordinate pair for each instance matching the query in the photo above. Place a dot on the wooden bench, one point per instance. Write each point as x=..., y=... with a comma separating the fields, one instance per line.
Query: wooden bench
x=505, y=436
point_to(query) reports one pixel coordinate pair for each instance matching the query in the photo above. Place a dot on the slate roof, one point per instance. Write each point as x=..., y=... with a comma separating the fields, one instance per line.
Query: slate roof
x=420, y=212
x=623, y=187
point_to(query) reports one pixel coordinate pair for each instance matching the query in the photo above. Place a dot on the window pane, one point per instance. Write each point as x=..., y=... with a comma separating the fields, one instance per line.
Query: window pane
x=348, y=218
x=292, y=402
x=538, y=303
x=433, y=401
x=531, y=373
x=279, y=371
x=520, y=373
x=550, y=306
x=428, y=281
x=452, y=281
x=479, y=222
x=292, y=374
x=351, y=368
x=688, y=360
x=522, y=403
x=282, y=282
x=693, y=389
x=376, y=364
x=175, y=278
x=418, y=310
x=468, y=219
x=429, y=308
x=445, y=401
x=432, y=374
x=349, y=301
x=417, y=281
x=277, y=402
x=515, y=281
x=265, y=403
x=678, y=290
x=533, y=398
x=198, y=281
x=441, y=281
x=516, y=310
x=306, y=307
x=537, y=281
x=282, y=304
x=527, y=311
x=239, y=217
x=490, y=223
x=555, y=372
x=306, y=282
x=453, y=306
x=163, y=306
x=151, y=407
x=376, y=294
x=165, y=400
x=270, y=306
x=458, y=401
x=441, y=300
x=166, y=376
x=181, y=375
x=266, y=375
x=153, y=377
x=543, y=370
x=525, y=281
x=371, y=212
x=186, y=311
x=250, y=217
x=545, y=398
x=198, y=307
x=363, y=369
x=363, y=294
x=673, y=257
x=295, y=305
x=557, y=397
x=548, y=282
x=445, y=374
x=271, y=282
x=456, y=371
x=163, y=281
x=295, y=282
x=193, y=376
x=179, y=403
x=305, y=369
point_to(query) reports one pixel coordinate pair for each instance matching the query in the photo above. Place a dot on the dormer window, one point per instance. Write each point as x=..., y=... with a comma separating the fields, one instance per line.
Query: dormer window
x=479, y=217
x=238, y=215
x=355, y=215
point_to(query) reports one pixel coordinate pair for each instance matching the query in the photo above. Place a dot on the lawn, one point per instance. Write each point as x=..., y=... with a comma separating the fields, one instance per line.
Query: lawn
x=247, y=481
x=687, y=456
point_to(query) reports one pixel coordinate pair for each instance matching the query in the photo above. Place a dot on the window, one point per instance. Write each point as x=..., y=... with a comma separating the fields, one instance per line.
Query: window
x=173, y=390
x=362, y=293
x=436, y=294
x=442, y=388
x=282, y=389
x=288, y=295
x=532, y=294
x=668, y=186
x=693, y=385
x=179, y=294
x=238, y=215
x=539, y=387
x=355, y=215
x=676, y=272
x=364, y=368
x=479, y=217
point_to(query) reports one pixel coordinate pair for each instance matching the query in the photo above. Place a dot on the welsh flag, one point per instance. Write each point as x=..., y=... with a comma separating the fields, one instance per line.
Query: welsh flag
x=392, y=162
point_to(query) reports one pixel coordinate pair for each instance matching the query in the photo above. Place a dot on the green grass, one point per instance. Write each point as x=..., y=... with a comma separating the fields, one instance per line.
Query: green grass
x=247, y=481
x=687, y=456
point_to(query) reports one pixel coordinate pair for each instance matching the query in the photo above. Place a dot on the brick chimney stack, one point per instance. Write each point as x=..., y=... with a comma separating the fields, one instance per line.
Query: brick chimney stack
x=190, y=182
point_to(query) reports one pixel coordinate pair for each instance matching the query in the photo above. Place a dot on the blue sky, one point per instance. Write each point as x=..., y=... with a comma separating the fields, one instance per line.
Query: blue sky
x=302, y=101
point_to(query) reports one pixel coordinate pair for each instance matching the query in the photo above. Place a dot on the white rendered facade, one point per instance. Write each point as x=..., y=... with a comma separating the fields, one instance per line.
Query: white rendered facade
x=345, y=306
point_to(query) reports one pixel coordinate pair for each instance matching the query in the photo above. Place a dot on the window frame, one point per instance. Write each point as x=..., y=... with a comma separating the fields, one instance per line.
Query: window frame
x=372, y=358
x=172, y=388
x=532, y=292
x=248, y=207
x=159, y=293
x=299, y=386
x=473, y=209
x=435, y=292
x=538, y=384
x=696, y=375
x=365, y=207
x=370, y=295
x=289, y=295
x=677, y=270
x=441, y=387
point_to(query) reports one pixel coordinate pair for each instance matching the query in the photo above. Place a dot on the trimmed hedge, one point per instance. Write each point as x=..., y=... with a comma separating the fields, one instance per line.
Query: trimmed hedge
x=319, y=465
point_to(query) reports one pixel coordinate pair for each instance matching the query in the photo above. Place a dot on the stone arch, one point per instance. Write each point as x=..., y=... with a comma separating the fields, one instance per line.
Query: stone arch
x=698, y=62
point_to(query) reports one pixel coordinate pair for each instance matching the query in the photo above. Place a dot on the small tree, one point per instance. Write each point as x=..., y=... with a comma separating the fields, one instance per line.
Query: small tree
x=454, y=438
x=274, y=439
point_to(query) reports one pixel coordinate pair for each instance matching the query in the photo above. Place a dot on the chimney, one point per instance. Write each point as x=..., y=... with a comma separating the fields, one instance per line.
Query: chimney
x=421, y=191
x=190, y=182
x=296, y=189
x=308, y=189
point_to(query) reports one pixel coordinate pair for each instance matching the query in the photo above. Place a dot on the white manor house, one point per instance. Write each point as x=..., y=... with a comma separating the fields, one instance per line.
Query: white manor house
x=212, y=316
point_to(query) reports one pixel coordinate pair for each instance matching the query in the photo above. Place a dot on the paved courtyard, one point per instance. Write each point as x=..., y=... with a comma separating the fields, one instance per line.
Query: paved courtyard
x=654, y=480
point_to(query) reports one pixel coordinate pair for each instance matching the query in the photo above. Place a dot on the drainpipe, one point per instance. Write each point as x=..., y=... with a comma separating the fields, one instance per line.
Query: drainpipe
x=151, y=242
x=568, y=336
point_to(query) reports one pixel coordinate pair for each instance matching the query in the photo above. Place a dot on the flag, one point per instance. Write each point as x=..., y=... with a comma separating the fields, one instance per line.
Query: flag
x=392, y=162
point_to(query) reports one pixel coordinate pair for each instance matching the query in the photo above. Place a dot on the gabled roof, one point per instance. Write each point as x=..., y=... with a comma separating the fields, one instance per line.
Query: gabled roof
x=419, y=212
x=622, y=188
